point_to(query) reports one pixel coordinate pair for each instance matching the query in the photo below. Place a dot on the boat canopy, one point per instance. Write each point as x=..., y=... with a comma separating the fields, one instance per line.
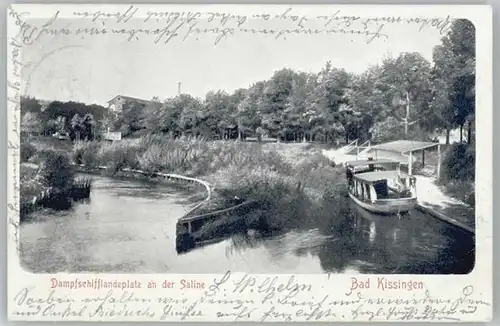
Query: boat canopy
x=405, y=146
x=368, y=162
x=373, y=177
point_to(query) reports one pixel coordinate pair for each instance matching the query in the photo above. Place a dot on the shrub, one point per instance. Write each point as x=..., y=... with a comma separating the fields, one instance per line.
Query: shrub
x=153, y=159
x=459, y=163
x=27, y=151
x=278, y=196
x=119, y=155
x=458, y=172
x=56, y=170
x=461, y=190
x=29, y=185
x=86, y=152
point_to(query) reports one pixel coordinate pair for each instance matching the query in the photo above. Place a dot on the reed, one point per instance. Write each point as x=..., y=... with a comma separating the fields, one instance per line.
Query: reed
x=285, y=180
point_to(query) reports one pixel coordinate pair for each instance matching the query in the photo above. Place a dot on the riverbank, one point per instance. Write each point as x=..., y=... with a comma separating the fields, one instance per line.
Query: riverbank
x=129, y=226
x=48, y=181
x=284, y=179
x=311, y=219
x=432, y=197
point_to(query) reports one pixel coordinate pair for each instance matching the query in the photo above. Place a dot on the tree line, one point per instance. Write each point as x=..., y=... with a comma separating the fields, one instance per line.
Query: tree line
x=404, y=97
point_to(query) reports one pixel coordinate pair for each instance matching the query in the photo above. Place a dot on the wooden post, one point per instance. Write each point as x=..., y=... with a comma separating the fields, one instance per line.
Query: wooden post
x=423, y=157
x=410, y=159
x=439, y=161
x=190, y=228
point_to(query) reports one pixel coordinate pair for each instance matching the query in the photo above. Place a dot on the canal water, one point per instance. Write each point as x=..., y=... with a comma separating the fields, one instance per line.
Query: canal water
x=129, y=227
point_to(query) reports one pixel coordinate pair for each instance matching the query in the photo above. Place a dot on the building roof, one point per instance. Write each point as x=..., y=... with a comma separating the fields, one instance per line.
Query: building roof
x=378, y=176
x=129, y=98
x=367, y=162
x=405, y=146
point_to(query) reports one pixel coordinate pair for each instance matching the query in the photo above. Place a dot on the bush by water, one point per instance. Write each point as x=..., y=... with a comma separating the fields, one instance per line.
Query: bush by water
x=50, y=183
x=286, y=180
x=458, y=172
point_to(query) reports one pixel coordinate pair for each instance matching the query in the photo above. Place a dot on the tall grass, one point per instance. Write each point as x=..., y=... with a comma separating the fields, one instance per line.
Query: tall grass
x=189, y=155
x=285, y=180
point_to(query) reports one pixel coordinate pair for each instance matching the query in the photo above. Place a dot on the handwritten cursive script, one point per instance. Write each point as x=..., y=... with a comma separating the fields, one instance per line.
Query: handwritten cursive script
x=249, y=298
x=136, y=23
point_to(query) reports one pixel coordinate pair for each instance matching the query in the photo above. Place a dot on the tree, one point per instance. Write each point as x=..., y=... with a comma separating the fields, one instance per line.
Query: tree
x=406, y=82
x=175, y=115
x=30, y=123
x=274, y=102
x=107, y=122
x=350, y=120
x=387, y=130
x=89, y=126
x=218, y=113
x=248, y=110
x=366, y=98
x=462, y=99
x=57, y=115
x=30, y=104
x=440, y=115
x=327, y=100
x=454, y=76
x=191, y=114
x=297, y=111
x=77, y=127
x=67, y=110
x=130, y=119
x=234, y=101
x=82, y=128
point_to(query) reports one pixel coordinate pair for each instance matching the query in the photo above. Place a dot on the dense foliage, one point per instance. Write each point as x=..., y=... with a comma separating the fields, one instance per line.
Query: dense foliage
x=27, y=151
x=55, y=170
x=283, y=178
x=79, y=120
x=459, y=167
x=459, y=163
x=403, y=97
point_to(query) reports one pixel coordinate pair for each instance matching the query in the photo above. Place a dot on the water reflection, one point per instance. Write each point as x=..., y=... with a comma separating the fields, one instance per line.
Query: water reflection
x=413, y=243
x=130, y=227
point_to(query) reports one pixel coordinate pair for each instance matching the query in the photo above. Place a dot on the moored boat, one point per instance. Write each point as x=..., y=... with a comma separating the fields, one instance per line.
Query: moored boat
x=371, y=165
x=383, y=192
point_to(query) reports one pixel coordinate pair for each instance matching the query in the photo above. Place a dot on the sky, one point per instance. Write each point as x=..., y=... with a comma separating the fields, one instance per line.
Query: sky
x=94, y=69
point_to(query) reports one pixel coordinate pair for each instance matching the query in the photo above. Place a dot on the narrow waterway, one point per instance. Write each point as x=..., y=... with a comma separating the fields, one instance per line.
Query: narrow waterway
x=129, y=227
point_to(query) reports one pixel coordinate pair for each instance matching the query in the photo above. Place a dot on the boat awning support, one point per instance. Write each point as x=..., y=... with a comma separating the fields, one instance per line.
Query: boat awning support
x=410, y=161
x=439, y=161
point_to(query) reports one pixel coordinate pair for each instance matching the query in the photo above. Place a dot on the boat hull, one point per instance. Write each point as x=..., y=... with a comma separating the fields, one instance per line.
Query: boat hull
x=387, y=206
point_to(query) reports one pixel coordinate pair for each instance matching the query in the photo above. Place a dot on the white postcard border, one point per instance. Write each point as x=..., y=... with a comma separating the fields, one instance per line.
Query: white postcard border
x=335, y=286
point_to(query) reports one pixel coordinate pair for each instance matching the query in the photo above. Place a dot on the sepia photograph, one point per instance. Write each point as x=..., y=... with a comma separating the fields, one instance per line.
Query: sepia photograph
x=206, y=142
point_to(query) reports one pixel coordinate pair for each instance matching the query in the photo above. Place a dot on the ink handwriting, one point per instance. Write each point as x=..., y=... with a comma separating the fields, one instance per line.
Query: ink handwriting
x=136, y=23
x=232, y=296
x=229, y=301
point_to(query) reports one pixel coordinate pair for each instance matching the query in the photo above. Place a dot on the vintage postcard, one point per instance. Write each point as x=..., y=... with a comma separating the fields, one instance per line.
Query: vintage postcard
x=245, y=163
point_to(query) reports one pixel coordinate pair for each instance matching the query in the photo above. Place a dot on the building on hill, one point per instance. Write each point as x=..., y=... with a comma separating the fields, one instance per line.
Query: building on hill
x=117, y=102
